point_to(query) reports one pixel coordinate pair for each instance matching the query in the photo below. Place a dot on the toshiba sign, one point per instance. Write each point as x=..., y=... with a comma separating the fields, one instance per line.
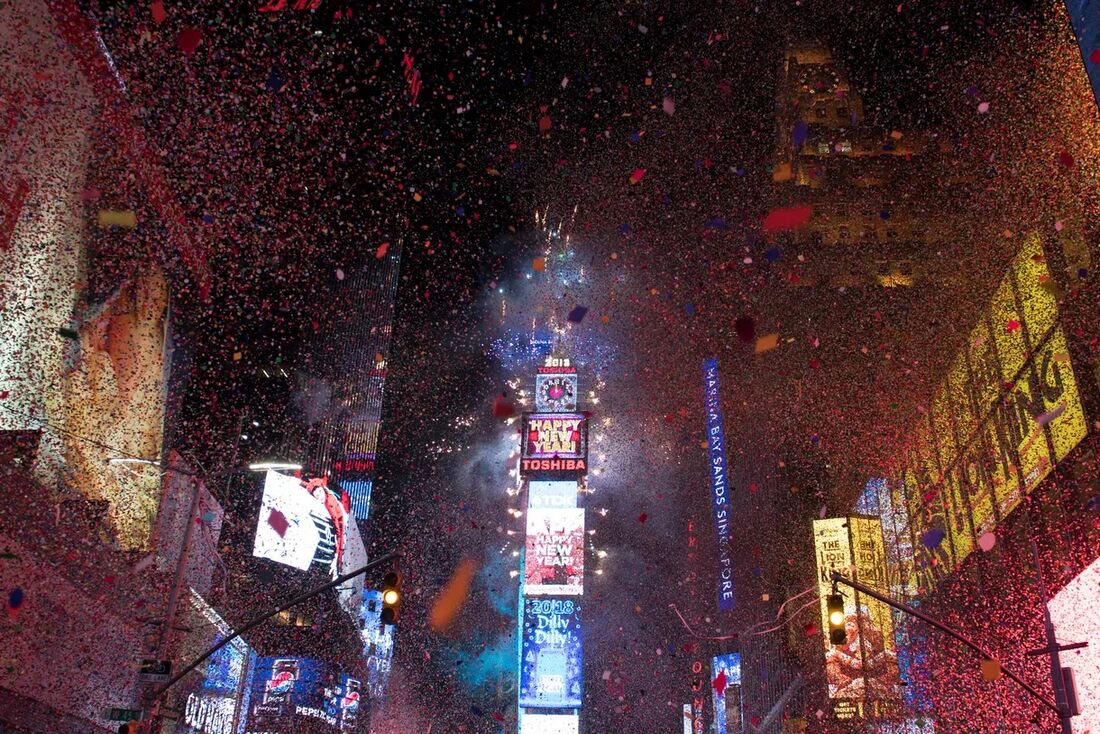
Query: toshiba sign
x=554, y=444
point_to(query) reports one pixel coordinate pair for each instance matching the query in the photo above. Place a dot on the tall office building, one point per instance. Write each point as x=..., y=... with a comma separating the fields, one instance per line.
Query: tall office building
x=349, y=374
x=870, y=222
x=553, y=463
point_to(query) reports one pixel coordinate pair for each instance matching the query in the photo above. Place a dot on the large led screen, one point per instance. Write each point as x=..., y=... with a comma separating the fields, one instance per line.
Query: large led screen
x=554, y=444
x=555, y=552
x=301, y=524
x=727, y=703
x=287, y=691
x=1075, y=611
x=552, y=495
x=865, y=666
x=550, y=670
x=377, y=643
x=555, y=392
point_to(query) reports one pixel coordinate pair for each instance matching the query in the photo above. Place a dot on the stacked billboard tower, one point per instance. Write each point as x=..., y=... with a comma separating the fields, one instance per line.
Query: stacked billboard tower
x=553, y=464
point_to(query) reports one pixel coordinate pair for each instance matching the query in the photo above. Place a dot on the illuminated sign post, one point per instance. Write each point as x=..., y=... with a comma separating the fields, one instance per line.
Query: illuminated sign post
x=718, y=469
x=864, y=669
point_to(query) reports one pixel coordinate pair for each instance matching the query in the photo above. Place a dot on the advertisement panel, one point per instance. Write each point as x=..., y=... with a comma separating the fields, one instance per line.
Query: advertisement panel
x=688, y=719
x=727, y=704
x=876, y=627
x=719, y=482
x=377, y=644
x=1007, y=412
x=550, y=724
x=301, y=524
x=550, y=665
x=552, y=495
x=286, y=691
x=209, y=704
x=554, y=562
x=865, y=666
x=554, y=444
x=556, y=392
x=358, y=491
x=1075, y=611
x=834, y=553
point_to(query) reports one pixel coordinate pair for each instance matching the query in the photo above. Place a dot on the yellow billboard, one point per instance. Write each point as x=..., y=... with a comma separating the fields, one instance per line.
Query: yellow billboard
x=864, y=669
x=1007, y=411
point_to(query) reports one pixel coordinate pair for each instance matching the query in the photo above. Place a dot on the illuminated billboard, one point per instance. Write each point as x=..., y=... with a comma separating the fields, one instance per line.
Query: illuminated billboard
x=556, y=391
x=1085, y=17
x=301, y=524
x=550, y=664
x=1006, y=413
x=554, y=563
x=865, y=666
x=552, y=495
x=554, y=444
x=718, y=472
x=377, y=644
x=288, y=691
x=1075, y=611
x=211, y=707
x=358, y=491
x=727, y=704
x=550, y=724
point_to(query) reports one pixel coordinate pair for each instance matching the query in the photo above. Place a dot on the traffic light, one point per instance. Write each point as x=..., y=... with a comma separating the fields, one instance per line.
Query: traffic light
x=391, y=597
x=838, y=634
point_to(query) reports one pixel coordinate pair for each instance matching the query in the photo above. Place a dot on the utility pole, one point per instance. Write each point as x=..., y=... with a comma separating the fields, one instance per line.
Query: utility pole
x=1052, y=649
x=1063, y=712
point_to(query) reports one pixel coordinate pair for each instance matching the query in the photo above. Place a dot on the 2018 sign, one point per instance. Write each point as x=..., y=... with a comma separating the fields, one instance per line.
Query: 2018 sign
x=550, y=671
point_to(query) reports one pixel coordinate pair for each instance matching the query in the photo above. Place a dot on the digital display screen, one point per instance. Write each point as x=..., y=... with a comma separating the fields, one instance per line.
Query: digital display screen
x=554, y=444
x=287, y=690
x=550, y=670
x=300, y=525
x=552, y=495
x=727, y=704
x=555, y=552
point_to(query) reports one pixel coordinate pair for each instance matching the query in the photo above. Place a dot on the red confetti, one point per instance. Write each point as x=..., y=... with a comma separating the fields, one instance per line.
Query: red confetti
x=637, y=176
x=189, y=40
x=642, y=518
x=779, y=220
x=278, y=522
